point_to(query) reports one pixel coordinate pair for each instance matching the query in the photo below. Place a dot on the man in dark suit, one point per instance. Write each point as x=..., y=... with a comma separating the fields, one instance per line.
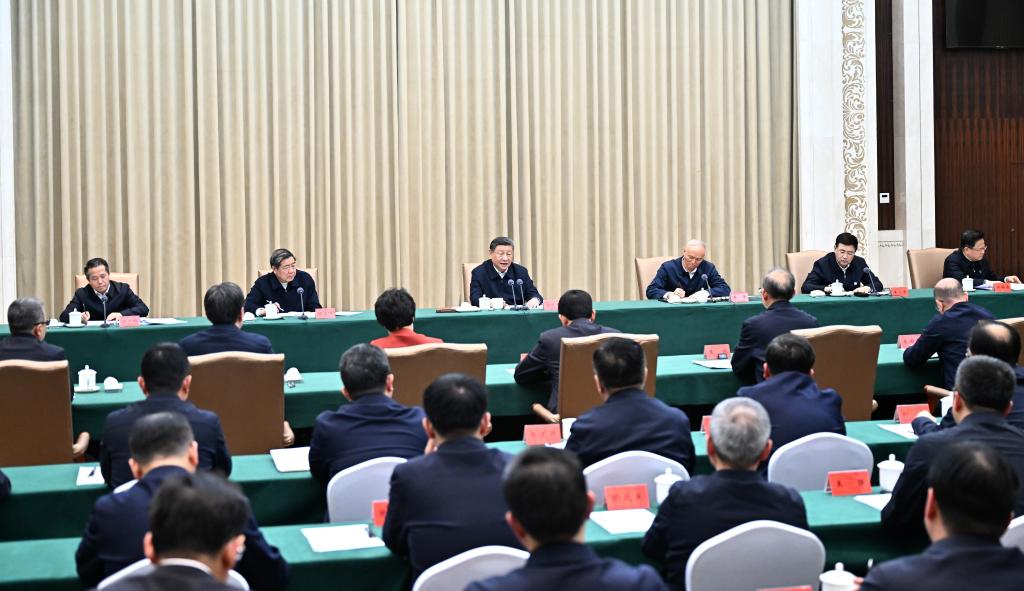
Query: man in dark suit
x=102, y=294
x=395, y=310
x=796, y=405
x=224, y=305
x=165, y=381
x=981, y=400
x=541, y=365
x=970, y=500
x=705, y=506
x=491, y=278
x=969, y=261
x=777, y=288
x=449, y=500
x=372, y=426
x=842, y=265
x=629, y=419
x=285, y=287
x=548, y=504
x=163, y=449
x=687, y=275
x=27, y=321
x=946, y=333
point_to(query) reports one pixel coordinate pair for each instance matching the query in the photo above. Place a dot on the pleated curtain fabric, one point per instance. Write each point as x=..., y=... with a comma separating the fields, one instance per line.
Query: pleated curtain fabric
x=386, y=142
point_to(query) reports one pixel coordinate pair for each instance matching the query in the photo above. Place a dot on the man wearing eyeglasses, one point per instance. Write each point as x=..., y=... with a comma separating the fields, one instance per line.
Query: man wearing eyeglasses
x=687, y=275
x=280, y=287
x=27, y=321
x=970, y=261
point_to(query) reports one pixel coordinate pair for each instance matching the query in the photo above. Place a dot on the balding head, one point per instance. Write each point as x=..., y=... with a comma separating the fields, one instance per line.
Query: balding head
x=995, y=339
x=948, y=292
x=778, y=284
x=693, y=254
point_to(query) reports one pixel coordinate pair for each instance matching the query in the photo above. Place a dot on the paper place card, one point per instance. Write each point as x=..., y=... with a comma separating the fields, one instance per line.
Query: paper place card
x=325, y=313
x=129, y=322
x=739, y=297
x=899, y=292
x=340, y=537
x=542, y=434
x=1001, y=287
x=874, y=501
x=551, y=305
x=626, y=496
x=88, y=475
x=294, y=459
x=848, y=482
x=906, y=413
x=714, y=363
x=905, y=430
x=705, y=424
x=628, y=521
x=906, y=341
x=380, y=512
x=716, y=351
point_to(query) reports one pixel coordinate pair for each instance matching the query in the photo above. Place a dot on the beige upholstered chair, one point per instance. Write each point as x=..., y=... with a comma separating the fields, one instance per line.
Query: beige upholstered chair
x=801, y=263
x=1017, y=323
x=311, y=270
x=846, y=359
x=132, y=279
x=926, y=266
x=467, y=274
x=417, y=366
x=35, y=414
x=246, y=390
x=646, y=269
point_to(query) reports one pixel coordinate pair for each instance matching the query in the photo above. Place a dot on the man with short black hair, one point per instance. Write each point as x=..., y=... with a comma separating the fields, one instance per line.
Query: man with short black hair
x=842, y=265
x=780, y=316
x=981, y=400
x=796, y=405
x=162, y=448
x=541, y=365
x=116, y=298
x=224, y=306
x=165, y=380
x=946, y=333
x=629, y=419
x=499, y=277
x=548, y=506
x=969, y=261
x=970, y=500
x=27, y=321
x=372, y=425
x=449, y=500
x=395, y=310
x=705, y=506
x=688, y=274
x=286, y=287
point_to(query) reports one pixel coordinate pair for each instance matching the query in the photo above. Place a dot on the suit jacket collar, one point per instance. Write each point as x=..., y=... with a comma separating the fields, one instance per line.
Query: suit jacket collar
x=984, y=418
x=377, y=398
x=961, y=542
x=625, y=396
x=780, y=305
x=793, y=381
x=492, y=273
x=738, y=475
x=467, y=444
x=561, y=553
x=159, y=474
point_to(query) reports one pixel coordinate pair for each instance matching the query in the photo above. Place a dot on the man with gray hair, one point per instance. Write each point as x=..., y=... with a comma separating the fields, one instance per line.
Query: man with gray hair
x=705, y=506
x=947, y=332
x=687, y=275
x=780, y=317
x=27, y=321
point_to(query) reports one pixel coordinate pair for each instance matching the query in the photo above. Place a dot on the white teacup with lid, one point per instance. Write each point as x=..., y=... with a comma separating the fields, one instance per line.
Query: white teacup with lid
x=484, y=303
x=87, y=378
x=74, y=318
x=662, y=484
x=889, y=472
x=967, y=283
x=837, y=288
x=838, y=579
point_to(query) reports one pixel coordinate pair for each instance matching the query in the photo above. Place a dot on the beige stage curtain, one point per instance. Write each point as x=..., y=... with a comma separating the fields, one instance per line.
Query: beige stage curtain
x=386, y=142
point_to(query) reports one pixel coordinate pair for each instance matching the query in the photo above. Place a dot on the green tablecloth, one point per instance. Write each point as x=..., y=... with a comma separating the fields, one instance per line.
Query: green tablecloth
x=316, y=345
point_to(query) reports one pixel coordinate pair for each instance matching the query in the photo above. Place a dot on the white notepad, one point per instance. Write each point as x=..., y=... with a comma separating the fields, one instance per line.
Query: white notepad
x=340, y=537
x=624, y=521
x=88, y=475
x=295, y=459
x=906, y=430
x=162, y=321
x=875, y=501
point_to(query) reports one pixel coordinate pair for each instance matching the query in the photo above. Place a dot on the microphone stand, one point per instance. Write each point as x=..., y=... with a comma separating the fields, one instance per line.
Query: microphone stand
x=302, y=304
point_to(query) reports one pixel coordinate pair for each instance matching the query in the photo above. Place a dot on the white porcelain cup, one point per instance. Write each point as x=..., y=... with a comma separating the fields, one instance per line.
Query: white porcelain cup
x=967, y=283
x=87, y=378
x=497, y=303
x=889, y=472
x=838, y=579
x=74, y=318
x=837, y=288
x=662, y=484
x=271, y=311
x=484, y=303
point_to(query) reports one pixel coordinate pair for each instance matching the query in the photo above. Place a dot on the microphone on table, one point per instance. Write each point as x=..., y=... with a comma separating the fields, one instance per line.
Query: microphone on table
x=704, y=278
x=512, y=286
x=871, y=276
x=103, y=298
x=522, y=294
x=302, y=304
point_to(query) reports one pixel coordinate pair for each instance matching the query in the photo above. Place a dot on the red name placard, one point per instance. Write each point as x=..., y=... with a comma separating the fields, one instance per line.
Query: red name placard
x=542, y=434
x=1001, y=287
x=905, y=413
x=705, y=424
x=716, y=351
x=130, y=322
x=739, y=297
x=849, y=482
x=380, y=512
x=626, y=496
x=551, y=305
x=326, y=313
x=905, y=341
x=899, y=292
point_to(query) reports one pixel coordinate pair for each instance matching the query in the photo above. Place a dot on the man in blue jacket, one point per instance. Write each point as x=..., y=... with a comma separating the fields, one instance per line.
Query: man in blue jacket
x=688, y=274
x=842, y=265
x=224, y=304
x=103, y=295
x=492, y=278
x=285, y=287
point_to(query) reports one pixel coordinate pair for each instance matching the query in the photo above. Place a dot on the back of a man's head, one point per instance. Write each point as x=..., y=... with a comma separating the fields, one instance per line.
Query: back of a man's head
x=24, y=314
x=740, y=428
x=995, y=339
x=164, y=367
x=395, y=309
x=547, y=494
x=455, y=404
x=948, y=290
x=789, y=352
x=223, y=302
x=196, y=515
x=364, y=370
x=985, y=383
x=975, y=488
x=619, y=363
x=158, y=436
x=575, y=304
x=779, y=284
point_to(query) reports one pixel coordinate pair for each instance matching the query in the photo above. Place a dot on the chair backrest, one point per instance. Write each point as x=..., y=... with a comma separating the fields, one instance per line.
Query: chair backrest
x=417, y=366
x=311, y=270
x=846, y=359
x=577, y=392
x=246, y=390
x=926, y=266
x=1014, y=536
x=467, y=275
x=804, y=464
x=144, y=567
x=35, y=409
x=756, y=555
x=351, y=492
x=462, y=569
x=630, y=467
x=801, y=263
x=1018, y=324
x=132, y=279
x=646, y=269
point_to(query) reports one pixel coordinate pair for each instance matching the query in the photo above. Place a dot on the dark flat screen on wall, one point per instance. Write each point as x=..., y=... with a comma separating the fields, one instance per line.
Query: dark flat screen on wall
x=995, y=24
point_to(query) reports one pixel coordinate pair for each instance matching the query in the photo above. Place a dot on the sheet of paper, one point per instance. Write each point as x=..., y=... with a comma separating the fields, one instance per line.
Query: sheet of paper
x=905, y=430
x=295, y=459
x=162, y=321
x=511, y=371
x=95, y=323
x=89, y=475
x=1016, y=286
x=559, y=445
x=626, y=521
x=340, y=537
x=343, y=313
x=875, y=501
x=714, y=363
